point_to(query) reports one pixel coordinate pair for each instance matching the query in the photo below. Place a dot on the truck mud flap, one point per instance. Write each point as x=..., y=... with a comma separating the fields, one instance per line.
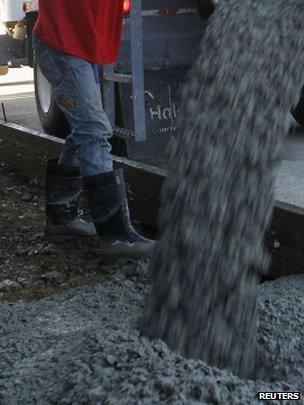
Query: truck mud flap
x=162, y=95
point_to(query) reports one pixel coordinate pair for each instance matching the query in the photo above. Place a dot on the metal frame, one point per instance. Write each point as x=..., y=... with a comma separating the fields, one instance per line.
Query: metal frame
x=159, y=35
x=136, y=79
x=137, y=62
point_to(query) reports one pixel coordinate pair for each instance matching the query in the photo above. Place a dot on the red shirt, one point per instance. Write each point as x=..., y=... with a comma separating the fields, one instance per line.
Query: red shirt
x=88, y=29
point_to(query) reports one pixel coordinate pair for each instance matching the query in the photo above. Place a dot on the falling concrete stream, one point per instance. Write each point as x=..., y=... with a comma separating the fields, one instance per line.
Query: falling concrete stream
x=219, y=200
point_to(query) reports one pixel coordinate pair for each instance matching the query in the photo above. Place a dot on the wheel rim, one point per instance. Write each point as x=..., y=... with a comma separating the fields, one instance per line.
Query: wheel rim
x=44, y=91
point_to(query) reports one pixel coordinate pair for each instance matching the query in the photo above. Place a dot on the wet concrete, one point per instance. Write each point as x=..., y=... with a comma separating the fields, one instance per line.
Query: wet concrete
x=218, y=202
x=83, y=347
x=65, y=345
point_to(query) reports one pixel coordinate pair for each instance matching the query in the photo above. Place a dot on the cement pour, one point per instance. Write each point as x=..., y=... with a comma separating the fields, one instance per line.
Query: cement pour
x=218, y=202
x=83, y=347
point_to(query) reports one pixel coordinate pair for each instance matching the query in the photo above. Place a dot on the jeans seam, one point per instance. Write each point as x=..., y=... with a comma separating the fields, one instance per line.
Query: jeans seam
x=101, y=164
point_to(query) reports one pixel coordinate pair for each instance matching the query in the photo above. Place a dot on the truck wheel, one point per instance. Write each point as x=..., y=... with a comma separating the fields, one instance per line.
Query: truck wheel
x=297, y=110
x=52, y=119
x=206, y=8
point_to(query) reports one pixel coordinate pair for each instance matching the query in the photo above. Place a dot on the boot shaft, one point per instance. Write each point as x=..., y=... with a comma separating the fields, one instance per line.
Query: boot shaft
x=106, y=194
x=62, y=191
x=107, y=200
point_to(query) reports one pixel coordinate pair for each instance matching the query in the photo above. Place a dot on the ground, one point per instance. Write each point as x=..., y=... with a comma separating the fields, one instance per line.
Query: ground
x=69, y=320
x=30, y=267
x=67, y=345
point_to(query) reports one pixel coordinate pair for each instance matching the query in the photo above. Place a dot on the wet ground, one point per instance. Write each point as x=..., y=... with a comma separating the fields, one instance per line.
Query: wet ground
x=65, y=345
x=30, y=267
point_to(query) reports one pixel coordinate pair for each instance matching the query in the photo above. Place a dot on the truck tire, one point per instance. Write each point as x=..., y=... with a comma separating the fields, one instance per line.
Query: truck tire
x=52, y=119
x=297, y=111
x=206, y=8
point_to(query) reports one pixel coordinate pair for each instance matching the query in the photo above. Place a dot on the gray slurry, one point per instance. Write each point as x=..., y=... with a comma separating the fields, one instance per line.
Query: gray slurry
x=83, y=347
x=218, y=203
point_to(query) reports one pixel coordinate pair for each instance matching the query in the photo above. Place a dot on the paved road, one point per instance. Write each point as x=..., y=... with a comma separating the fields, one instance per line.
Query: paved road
x=17, y=95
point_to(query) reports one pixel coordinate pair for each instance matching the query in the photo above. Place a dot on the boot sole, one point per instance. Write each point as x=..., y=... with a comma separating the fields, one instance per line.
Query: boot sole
x=138, y=250
x=62, y=238
x=119, y=250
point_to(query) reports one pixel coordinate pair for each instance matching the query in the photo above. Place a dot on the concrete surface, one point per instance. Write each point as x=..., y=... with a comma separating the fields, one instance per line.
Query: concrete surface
x=17, y=95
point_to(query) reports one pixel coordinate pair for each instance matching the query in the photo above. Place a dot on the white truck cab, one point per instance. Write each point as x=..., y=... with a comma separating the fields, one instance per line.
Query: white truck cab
x=11, y=18
x=14, y=47
x=10, y=10
x=12, y=13
x=13, y=10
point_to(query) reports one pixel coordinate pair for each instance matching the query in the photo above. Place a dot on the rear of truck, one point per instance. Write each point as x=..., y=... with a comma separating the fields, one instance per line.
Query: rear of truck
x=160, y=42
x=169, y=44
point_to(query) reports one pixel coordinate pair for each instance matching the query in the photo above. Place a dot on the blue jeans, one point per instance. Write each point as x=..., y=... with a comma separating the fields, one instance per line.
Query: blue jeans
x=77, y=92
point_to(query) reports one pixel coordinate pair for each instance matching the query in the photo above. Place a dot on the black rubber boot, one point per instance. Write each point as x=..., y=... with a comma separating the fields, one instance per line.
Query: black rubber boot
x=298, y=110
x=107, y=200
x=63, y=187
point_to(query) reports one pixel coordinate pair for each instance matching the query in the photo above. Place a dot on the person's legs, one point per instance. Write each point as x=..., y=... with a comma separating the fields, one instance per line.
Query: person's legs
x=79, y=97
x=63, y=186
x=77, y=93
x=68, y=155
x=63, y=183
